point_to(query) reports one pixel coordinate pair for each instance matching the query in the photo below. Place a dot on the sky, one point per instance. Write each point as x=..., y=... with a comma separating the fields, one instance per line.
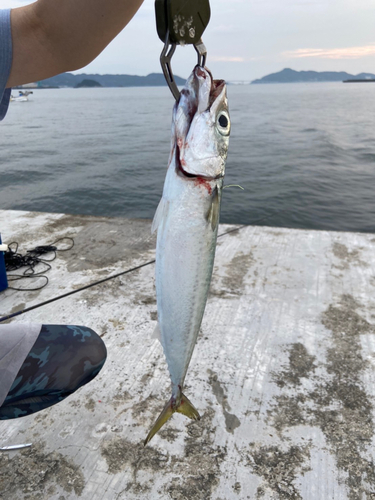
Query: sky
x=248, y=39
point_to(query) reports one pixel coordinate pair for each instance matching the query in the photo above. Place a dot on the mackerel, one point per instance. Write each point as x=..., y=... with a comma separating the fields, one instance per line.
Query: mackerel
x=187, y=221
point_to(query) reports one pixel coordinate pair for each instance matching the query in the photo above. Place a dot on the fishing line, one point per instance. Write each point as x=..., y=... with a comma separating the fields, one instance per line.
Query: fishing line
x=15, y=261
x=27, y=309
x=233, y=186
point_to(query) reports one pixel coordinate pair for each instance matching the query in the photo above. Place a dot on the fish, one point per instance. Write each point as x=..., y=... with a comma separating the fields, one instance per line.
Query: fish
x=186, y=222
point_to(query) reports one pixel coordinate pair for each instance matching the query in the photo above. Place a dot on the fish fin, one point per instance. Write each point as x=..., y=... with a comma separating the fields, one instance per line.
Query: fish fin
x=188, y=409
x=159, y=214
x=164, y=416
x=185, y=407
x=214, y=210
x=156, y=333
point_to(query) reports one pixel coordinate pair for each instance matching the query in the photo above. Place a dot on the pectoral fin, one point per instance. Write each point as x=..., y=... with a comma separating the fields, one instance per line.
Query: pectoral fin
x=214, y=211
x=160, y=213
x=156, y=334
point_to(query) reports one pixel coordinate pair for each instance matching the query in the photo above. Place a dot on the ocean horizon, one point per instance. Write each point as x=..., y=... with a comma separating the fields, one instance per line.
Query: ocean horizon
x=304, y=154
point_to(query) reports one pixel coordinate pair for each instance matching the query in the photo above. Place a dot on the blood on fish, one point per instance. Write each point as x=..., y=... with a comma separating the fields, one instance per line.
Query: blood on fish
x=200, y=72
x=200, y=181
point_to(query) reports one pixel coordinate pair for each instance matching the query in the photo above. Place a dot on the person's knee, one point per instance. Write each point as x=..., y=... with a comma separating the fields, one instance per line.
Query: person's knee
x=94, y=353
x=101, y=352
x=89, y=354
x=98, y=350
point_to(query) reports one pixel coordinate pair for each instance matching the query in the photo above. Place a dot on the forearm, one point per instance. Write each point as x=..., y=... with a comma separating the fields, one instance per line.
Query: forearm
x=51, y=37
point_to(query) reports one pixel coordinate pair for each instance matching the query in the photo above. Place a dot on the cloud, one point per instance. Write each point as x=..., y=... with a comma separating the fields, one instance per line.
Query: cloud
x=344, y=53
x=227, y=59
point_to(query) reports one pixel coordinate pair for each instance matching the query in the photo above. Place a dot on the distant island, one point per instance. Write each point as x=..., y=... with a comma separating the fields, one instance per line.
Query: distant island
x=70, y=80
x=86, y=83
x=288, y=75
x=359, y=81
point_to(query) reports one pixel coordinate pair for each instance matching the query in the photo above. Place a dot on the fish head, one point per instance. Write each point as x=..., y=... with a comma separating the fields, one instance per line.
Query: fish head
x=202, y=126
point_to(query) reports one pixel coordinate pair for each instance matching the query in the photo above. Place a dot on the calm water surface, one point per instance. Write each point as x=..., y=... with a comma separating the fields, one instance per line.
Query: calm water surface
x=304, y=154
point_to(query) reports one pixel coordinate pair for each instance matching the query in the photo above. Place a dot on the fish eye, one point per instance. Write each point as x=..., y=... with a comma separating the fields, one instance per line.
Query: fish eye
x=223, y=123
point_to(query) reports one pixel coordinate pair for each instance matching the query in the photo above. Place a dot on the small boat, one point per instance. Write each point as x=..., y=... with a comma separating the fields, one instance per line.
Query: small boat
x=22, y=96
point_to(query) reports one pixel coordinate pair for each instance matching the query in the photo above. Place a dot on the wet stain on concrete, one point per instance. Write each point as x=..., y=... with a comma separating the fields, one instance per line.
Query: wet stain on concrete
x=146, y=299
x=341, y=252
x=275, y=233
x=121, y=453
x=232, y=285
x=337, y=402
x=236, y=272
x=231, y=232
x=231, y=421
x=169, y=433
x=301, y=365
x=120, y=398
x=34, y=472
x=117, y=324
x=198, y=466
x=19, y=307
x=15, y=309
x=68, y=221
x=153, y=315
x=279, y=469
x=145, y=379
x=350, y=429
x=90, y=404
x=140, y=410
x=237, y=487
x=97, y=245
x=129, y=288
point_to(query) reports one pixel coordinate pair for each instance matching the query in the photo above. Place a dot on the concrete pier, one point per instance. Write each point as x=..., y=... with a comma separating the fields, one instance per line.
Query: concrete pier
x=283, y=372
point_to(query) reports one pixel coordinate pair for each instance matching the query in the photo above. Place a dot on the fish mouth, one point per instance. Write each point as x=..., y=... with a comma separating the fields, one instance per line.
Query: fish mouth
x=197, y=98
x=180, y=170
x=216, y=85
x=191, y=93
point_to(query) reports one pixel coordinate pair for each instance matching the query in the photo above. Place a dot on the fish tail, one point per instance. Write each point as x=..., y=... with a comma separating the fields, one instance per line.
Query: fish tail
x=185, y=407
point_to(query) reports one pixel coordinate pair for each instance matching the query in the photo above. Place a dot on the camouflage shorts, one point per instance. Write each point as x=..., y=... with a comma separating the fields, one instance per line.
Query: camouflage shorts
x=63, y=359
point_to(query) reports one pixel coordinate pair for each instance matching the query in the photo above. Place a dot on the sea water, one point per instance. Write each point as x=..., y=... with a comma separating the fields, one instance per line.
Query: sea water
x=304, y=154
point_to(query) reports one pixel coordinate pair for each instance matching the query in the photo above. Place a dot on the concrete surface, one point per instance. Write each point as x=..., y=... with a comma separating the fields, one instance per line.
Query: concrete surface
x=282, y=373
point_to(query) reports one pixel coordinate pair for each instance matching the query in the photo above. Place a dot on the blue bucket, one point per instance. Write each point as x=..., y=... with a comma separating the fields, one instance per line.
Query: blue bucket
x=3, y=274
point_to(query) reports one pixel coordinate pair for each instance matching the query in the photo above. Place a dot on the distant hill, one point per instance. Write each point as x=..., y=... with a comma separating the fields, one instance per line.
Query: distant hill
x=70, y=80
x=288, y=75
x=87, y=83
